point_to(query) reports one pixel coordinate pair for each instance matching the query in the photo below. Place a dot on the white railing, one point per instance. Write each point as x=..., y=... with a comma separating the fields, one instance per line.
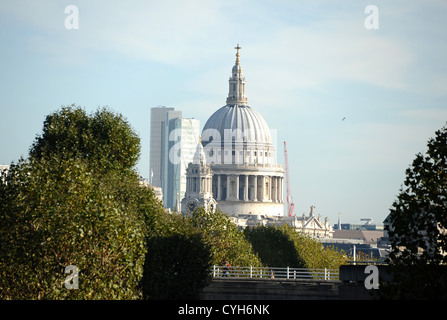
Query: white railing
x=274, y=273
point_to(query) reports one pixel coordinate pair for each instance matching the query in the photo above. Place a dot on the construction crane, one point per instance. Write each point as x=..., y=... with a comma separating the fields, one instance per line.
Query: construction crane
x=290, y=204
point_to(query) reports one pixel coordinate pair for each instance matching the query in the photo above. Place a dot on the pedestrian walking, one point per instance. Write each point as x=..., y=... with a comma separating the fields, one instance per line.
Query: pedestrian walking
x=226, y=268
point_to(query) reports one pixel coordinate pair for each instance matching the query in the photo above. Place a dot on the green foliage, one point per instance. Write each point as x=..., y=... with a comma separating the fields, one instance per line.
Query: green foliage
x=283, y=246
x=104, y=138
x=227, y=242
x=418, y=224
x=419, y=215
x=178, y=262
x=76, y=201
x=274, y=247
x=59, y=212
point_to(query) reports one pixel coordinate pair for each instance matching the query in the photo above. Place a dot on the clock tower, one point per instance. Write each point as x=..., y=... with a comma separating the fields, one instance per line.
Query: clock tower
x=199, y=179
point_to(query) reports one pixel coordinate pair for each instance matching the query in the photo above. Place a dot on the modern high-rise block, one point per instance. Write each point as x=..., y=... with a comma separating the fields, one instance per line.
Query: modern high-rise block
x=157, y=143
x=173, y=143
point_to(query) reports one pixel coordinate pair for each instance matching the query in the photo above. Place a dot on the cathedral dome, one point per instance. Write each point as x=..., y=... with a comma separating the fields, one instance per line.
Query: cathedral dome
x=237, y=123
x=240, y=159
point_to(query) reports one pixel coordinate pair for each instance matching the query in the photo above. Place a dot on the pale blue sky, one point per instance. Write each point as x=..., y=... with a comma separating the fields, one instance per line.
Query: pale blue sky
x=308, y=64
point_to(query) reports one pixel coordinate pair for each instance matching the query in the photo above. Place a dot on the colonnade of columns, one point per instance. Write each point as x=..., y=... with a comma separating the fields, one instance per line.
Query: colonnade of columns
x=248, y=187
x=200, y=184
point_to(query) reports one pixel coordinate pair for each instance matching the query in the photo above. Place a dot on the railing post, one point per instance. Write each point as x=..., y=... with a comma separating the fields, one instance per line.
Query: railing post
x=287, y=272
x=325, y=274
x=251, y=271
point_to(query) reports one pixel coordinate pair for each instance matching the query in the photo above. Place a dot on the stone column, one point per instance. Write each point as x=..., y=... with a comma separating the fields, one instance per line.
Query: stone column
x=270, y=188
x=207, y=179
x=187, y=184
x=278, y=186
x=237, y=187
x=262, y=188
x=273, y=193
x=255, y=184
x=219, y=188
x=246, y=188
x=280, y=189
x=276, y=189
x=228, y=187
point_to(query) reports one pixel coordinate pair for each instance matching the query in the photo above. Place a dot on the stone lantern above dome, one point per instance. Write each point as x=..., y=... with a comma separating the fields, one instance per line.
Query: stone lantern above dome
x=236, y=94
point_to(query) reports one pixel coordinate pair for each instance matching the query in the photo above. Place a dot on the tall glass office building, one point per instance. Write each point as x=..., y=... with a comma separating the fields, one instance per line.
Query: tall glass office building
x=184, y=135
x=172, y=145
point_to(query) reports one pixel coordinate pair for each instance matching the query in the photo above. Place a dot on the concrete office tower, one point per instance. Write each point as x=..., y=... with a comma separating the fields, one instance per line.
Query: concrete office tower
x=158, y=142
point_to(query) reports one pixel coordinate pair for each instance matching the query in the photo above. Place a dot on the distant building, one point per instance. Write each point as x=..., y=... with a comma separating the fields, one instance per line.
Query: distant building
x=184, y=135
x=172, y=145
x=366, y=236
x=235, y=168
x=199, y=178
x=157, y=190
x=160, y=117
x=3, y=170
x=368, y=225
x=362, y=243
x=311, y=225
x=239, y=150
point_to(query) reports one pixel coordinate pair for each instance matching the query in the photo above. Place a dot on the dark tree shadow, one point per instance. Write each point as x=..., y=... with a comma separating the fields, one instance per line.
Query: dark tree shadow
x=176, y=267
x=274, y=248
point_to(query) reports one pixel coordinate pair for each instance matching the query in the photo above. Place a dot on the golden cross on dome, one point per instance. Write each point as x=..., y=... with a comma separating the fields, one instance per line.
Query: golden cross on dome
x=237, y=53
x=237, y=48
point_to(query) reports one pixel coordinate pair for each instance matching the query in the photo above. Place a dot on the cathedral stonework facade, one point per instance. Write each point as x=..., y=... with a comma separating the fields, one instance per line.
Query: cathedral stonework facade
x=199, y=179
x=239, y=151
x=234, y=166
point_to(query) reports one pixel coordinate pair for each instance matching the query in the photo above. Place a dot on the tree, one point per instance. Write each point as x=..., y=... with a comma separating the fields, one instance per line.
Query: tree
x=227, y=242
x=274, y=247
x=76, y=201
x=178, y=261
x=283, y=246
x=59, y=212
x=104, y=138
x=417, y=226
